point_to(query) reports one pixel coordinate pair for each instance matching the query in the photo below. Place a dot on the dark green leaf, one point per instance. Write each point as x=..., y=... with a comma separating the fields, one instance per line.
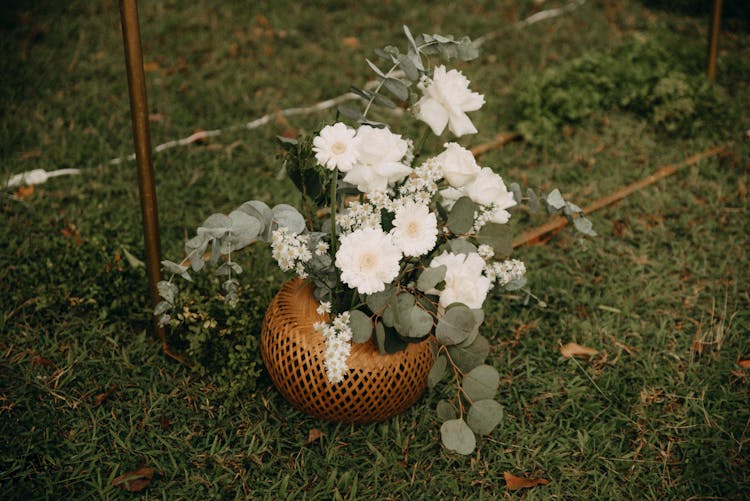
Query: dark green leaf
x=361, y=326
x=397, y=88
x=516, y=190
x=484, y=416
x=469, y=357
x=420, y=323
x=380, y=337
x=438, y=371
x=461, y=246
x=408, y=67
x=350, y=111
x=375, y=68
x=456, y=325
x=497, y=236
x=461, y=217
x=458, y=437
x=533, y=204
x=481, y=383
x=379, y=300
x=430, y=277
x=402, y=309
x=445, y=411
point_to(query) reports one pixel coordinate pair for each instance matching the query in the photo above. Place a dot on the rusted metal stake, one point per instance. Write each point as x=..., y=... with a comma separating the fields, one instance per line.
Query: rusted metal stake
x=142, y=140
x=713, y=41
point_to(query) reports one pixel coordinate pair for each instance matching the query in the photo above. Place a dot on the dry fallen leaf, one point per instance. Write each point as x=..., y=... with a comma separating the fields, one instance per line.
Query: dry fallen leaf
x=25, y=191
x=745, y=364
x=315, y=434
x=576, y=350
x=135, y=481
x=151, y=66
x=103, y=396
x=514, y=483
x=351, y=42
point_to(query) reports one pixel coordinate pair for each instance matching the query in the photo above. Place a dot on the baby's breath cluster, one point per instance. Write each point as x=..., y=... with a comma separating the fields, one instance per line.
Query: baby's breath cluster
x=291, y=251
x=506, y=272
x=338, y=336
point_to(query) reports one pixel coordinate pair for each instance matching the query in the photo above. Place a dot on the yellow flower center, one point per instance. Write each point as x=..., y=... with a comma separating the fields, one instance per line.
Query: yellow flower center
x=366, y=261
x=338, y=148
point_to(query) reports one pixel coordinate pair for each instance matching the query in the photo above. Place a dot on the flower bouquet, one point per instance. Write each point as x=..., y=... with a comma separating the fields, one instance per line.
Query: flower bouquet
x=395, y=253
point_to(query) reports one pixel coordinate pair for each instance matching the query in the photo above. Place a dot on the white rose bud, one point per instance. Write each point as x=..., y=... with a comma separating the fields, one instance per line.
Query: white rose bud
x=488, y=188
x=458, y=164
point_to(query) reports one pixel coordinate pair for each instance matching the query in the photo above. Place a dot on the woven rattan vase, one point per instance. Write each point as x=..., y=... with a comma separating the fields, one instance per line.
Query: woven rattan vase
x=376, y=387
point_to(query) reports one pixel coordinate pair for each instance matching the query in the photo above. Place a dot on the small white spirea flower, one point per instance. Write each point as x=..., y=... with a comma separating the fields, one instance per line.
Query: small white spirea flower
x=507, y=271
x=338, y=336
x=336, y=147
x=324, y=307
x=445, y=102
x=290, y=250
x=485, y=251
x=368, y=259
x=414, y=229
x=464, y=279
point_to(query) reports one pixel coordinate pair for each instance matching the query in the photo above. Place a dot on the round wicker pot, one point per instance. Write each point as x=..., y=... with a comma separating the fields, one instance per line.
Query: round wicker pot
x=376, y=387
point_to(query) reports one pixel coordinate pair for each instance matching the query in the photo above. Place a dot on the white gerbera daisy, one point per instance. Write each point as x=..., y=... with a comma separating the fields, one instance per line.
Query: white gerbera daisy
x=414, y=229
x=336, y=147
x=368, y=259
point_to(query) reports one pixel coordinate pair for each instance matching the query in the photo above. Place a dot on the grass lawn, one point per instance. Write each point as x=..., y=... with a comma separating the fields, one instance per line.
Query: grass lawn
x=661, y=411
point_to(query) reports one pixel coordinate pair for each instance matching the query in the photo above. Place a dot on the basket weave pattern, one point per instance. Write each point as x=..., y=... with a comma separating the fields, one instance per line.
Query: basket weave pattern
x=376, y=387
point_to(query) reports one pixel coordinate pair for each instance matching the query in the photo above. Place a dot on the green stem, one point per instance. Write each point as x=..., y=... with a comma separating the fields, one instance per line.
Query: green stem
x=334, y=199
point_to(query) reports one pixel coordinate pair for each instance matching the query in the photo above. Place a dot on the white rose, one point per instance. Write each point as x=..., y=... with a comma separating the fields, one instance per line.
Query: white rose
x=379, y=163
x=488, y=189
x=446, y=99
x=458, y=165
x=464, y=279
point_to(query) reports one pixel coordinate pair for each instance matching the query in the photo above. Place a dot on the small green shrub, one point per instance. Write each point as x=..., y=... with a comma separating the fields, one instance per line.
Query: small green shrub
x=637, y=78
x=219, y=340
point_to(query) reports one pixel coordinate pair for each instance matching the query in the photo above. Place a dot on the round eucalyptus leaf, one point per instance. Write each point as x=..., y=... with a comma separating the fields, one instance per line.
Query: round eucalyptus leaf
x=361, y=326
x=456, y=325
x=497, y=236
x=445, y=411
x=288, y=217
x=484, y=416
x=262, y=213
x=481, y=383
x=245, y=229
x=379, y=300
x=438, y=371
x=461, y=217
x=461, y=246
x=420, y=322
x=469, y=357
x=430, y=277
x=380, y=337
x=458, y=437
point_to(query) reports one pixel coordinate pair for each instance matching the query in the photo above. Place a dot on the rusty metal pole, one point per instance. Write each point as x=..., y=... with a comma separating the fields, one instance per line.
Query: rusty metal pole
x=713, y=40
x=142, y=139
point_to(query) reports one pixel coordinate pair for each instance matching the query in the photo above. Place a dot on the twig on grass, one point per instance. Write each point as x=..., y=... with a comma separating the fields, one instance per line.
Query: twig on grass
x=665, y=171
x=500, y=140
